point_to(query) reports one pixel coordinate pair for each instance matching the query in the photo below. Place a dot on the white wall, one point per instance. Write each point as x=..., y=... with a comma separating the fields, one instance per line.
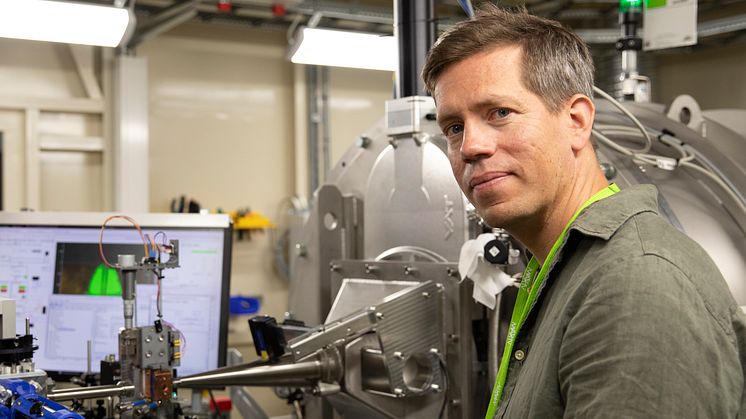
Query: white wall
x=45, y=109
x=357, y=99
x=37, y=69
x=220, y=119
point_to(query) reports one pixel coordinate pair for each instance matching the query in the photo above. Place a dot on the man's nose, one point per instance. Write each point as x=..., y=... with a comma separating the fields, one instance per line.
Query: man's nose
x=477, y=142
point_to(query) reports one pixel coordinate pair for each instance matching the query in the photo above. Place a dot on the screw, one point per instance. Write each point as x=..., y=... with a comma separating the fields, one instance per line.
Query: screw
x=300, y=250
x=434, y=387
x=398, y=355
x=334, y=267
x=399, y=392
x=370, y=268
x=426, y=294
x=379, y=315
x=160, y=338
x=453, y=337
x=451, y=272
x=363, y=141
x=148, y=354
x=434, y=351
x=409, y=270
x=148, y=339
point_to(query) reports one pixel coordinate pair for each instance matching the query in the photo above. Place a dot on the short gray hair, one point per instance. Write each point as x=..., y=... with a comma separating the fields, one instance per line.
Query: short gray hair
x=556, y=62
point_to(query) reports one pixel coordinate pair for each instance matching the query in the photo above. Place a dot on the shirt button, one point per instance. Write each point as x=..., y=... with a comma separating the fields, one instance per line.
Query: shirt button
x=519, y=355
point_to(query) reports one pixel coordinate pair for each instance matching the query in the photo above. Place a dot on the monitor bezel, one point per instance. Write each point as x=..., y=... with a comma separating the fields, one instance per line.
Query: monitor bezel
x=149, y=221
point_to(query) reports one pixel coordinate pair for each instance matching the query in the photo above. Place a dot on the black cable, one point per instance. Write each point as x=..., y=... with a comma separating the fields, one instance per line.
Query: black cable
x=216, y=413
x=445, y=390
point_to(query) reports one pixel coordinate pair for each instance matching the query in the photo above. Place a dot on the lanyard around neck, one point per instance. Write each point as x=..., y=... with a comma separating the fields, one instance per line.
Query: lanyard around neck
x=531, y=282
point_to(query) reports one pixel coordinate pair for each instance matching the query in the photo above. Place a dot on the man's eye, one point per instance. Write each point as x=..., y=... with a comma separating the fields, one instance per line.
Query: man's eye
x=454, y=129
x=502, y=113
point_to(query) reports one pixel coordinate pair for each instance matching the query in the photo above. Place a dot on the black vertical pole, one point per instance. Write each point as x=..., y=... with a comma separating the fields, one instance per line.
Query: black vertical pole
x=414, y=26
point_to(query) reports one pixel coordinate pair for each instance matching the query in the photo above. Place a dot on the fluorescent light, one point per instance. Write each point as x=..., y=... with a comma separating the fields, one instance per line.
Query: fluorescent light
x=57, y=21
x=345, y=49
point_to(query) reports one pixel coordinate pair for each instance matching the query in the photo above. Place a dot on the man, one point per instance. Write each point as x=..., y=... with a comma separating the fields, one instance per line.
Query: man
x=619, y=314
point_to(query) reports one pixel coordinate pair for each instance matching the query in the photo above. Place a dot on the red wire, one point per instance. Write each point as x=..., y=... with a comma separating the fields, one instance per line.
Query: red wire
x=101, y=237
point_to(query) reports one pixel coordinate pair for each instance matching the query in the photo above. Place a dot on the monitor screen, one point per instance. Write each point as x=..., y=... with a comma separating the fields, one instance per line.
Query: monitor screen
x=50, y=264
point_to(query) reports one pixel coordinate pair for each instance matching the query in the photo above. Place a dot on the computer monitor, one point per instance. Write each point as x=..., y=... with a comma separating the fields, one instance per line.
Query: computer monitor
x=50, y=264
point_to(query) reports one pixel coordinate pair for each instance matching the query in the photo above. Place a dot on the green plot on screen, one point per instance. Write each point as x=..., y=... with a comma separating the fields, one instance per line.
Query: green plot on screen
x=105, y=281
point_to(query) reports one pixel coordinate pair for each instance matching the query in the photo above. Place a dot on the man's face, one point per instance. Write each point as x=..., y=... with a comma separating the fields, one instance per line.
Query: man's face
x=509, y=154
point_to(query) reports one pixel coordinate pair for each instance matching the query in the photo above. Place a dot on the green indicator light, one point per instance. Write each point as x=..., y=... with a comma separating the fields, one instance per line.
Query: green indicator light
x=652, y=4
x=630, y=5
x=104, y=281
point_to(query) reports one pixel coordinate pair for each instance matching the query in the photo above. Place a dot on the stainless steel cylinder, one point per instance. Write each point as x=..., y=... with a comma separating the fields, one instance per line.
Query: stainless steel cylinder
x=89, y=393
x=300, y=374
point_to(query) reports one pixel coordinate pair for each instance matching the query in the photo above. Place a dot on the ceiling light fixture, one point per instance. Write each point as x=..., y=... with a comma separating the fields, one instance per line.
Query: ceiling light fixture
x=57, y=21
x=345, y=49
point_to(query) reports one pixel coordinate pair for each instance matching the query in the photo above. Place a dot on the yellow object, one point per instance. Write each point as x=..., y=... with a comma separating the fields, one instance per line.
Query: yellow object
x=250, y=221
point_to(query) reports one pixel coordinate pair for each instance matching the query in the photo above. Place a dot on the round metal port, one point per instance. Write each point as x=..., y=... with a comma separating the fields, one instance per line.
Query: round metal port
x=418, y=372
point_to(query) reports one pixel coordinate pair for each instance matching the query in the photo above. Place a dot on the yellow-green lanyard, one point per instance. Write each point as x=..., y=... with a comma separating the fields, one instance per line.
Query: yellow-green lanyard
x=527, y=295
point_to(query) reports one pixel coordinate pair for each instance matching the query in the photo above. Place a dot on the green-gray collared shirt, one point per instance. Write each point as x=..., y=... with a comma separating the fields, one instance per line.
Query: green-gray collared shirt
x=634, y=321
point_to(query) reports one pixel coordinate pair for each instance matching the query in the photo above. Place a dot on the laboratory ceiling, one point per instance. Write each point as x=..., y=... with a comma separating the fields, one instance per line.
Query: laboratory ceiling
x=721, y=22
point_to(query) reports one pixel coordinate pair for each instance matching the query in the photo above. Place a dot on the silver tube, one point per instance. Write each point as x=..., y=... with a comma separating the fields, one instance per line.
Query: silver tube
x=302, y=373
x=89, y=357
x=126, y=263
x=629, y=63
x=129, y=313
x=230, y=368
x=89, y=393
x=493, y=346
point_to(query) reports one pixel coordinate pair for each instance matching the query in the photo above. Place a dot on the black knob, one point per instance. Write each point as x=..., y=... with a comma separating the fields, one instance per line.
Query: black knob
x=496, y=252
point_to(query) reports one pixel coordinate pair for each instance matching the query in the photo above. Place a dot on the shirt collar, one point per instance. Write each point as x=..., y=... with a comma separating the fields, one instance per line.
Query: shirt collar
x=603, y=218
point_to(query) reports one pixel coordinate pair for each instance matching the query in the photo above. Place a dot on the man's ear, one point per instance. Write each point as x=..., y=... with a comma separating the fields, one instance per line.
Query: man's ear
x=581, y=112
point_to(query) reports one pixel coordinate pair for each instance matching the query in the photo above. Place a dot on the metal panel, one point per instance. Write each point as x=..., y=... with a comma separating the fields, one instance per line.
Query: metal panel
x=340, y=221
x=356, y=293
x=408, y=322
x=422, y=406
x=413, y=200
x=463, y=385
